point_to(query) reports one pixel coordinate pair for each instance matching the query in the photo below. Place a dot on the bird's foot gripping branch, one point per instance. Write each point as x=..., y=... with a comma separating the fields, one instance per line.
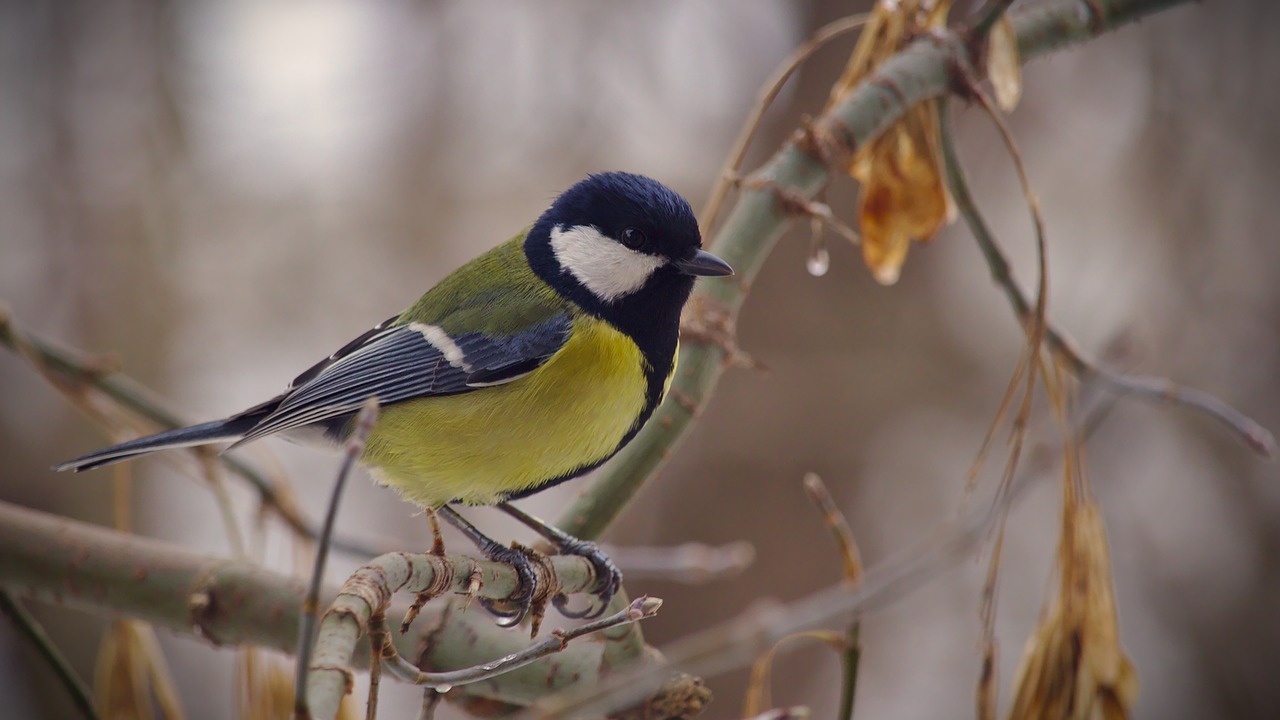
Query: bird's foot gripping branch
x=362, y=604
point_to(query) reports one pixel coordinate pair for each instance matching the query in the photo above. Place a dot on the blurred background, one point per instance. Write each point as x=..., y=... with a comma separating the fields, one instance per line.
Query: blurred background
x=221, y=193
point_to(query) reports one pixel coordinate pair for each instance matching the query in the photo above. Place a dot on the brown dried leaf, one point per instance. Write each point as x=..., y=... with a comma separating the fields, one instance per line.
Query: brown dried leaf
x=1074, y=666
x=903, y=195
x=131, y=670
x=1003, y=68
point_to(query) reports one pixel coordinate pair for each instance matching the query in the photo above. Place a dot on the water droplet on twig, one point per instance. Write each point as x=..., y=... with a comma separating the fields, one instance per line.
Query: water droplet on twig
x=819, y=261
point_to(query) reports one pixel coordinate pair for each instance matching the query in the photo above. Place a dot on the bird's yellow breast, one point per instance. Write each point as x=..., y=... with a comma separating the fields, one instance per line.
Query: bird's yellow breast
x=480, y=446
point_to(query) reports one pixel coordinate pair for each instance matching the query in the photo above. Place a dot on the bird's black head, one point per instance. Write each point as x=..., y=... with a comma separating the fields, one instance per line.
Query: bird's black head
x=627, y=249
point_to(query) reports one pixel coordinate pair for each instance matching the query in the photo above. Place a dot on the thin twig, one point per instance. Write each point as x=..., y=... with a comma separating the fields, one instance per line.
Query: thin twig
x=365, y=420
x=691, y=563
x=430, y=700
x=797, y=205
x=79, y=372
x=122, y=498
x=222, y=498
x=379, y=641
x=1028, y=366
x=1154, y=389
x=759, y=696
x=641, y=608
x=768, y=92
x=1163, y=390
x=30, y=628
x=850, y=662
x=838, y=524
x=986, y=695
x=1006, y=400
x=729, y=644
x=1035, y=328
x=1145, y=387
x=795, y=712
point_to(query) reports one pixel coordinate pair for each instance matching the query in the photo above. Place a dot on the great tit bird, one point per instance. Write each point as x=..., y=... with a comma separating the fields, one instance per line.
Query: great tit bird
x=529, y=366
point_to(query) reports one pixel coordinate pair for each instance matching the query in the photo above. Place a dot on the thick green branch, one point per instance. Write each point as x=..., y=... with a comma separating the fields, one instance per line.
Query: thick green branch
x=922, y=71
x=228, y=602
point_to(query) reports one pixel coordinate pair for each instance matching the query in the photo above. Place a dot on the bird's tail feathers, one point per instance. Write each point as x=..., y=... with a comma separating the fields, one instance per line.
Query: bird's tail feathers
x=202, y=434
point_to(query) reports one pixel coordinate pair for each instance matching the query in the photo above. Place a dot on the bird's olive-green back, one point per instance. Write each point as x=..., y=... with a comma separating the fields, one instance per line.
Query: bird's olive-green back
x=497, y=294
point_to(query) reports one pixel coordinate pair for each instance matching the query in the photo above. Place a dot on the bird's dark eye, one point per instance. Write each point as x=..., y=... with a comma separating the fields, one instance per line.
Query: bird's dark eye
x=633, y=238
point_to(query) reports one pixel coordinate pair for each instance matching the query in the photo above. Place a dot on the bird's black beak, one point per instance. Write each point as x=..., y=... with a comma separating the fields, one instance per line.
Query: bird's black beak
x=703, y=264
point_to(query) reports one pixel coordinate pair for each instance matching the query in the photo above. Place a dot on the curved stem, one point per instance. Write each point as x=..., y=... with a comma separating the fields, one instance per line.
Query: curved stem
x=365, y=420
x=31, y=629
x=76, y=369
x=768, y=93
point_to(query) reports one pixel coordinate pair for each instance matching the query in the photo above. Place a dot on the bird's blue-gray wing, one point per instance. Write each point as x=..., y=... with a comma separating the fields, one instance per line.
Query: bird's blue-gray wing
x=396, y=363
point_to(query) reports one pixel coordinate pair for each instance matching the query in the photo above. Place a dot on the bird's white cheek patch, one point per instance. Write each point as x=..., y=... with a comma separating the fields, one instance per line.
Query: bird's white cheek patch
x=607, y=268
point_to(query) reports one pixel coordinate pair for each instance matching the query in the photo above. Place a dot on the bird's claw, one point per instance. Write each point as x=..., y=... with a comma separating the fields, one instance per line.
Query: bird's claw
x=608, y=580
x=519, y=558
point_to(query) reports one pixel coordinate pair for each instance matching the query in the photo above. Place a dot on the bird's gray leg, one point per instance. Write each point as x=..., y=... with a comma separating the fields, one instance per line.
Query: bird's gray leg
x=516, y=556
x=437, y=540
x=608, y=577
